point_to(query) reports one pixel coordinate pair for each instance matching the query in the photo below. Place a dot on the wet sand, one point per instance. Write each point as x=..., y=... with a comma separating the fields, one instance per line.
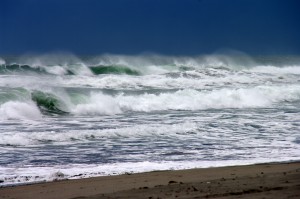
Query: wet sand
x=254, y=181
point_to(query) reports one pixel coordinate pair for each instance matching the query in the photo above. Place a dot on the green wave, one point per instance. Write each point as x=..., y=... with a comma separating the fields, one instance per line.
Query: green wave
x=112, y=69
x=15, y=94
x=12, y=68
x=49, y=103
x=20, y=68
x=97, y=70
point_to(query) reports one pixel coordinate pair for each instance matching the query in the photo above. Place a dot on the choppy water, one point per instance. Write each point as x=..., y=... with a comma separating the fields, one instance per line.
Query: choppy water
x=66, y=117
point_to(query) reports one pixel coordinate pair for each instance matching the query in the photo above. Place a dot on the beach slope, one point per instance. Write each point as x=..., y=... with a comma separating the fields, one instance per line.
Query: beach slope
x=280, y=180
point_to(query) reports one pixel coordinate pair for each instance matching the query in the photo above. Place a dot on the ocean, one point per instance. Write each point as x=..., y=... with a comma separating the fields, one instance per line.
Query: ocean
x=68, y=117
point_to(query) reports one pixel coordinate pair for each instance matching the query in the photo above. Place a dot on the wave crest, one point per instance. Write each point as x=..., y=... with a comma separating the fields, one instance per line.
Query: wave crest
x=19, y=110
x=188, y=99
x=98, y=70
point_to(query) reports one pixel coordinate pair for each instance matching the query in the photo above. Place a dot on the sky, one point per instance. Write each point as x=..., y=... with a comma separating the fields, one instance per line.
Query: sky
x=169, y=27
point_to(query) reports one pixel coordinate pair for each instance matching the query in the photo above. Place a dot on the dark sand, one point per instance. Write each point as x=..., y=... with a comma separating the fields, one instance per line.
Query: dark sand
x=269, y=181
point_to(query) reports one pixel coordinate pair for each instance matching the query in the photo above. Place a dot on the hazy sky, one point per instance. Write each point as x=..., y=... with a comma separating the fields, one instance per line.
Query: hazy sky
x=172, y=27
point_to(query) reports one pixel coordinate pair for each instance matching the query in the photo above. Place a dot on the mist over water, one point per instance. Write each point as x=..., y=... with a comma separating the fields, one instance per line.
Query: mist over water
x=110, y=114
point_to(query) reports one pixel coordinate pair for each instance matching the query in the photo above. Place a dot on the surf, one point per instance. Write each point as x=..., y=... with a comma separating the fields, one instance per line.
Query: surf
x=62, y=114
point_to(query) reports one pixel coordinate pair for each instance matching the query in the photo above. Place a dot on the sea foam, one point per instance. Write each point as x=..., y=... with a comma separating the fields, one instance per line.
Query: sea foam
x=189, y=99
x=19, y=110
x=26, y=175
x=2, y=61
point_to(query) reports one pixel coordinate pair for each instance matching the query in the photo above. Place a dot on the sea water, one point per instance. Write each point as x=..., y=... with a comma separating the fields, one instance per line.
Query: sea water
x=65, y=117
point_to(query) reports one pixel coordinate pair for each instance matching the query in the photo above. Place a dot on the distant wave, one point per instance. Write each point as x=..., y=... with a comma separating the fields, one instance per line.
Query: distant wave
x=113, y=70
x=2, y=61
x=65, y=70
x=13, y=68
x=80, y=69
x=68, y=64
x=27, y=69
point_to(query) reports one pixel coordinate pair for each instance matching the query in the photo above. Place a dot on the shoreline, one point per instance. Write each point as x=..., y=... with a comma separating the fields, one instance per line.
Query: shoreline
x=59, y=174
x=269, y=180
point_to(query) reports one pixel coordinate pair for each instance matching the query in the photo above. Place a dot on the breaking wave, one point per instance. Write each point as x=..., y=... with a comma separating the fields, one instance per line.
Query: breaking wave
x=19, y=110
x=113, y=70
x=68, y=64
x=99, y=103
x=48, y=103
x=66, y=70
x=66, y=84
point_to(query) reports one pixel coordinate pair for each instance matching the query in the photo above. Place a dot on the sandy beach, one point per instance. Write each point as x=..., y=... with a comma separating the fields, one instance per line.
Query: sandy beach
x=280, y=180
